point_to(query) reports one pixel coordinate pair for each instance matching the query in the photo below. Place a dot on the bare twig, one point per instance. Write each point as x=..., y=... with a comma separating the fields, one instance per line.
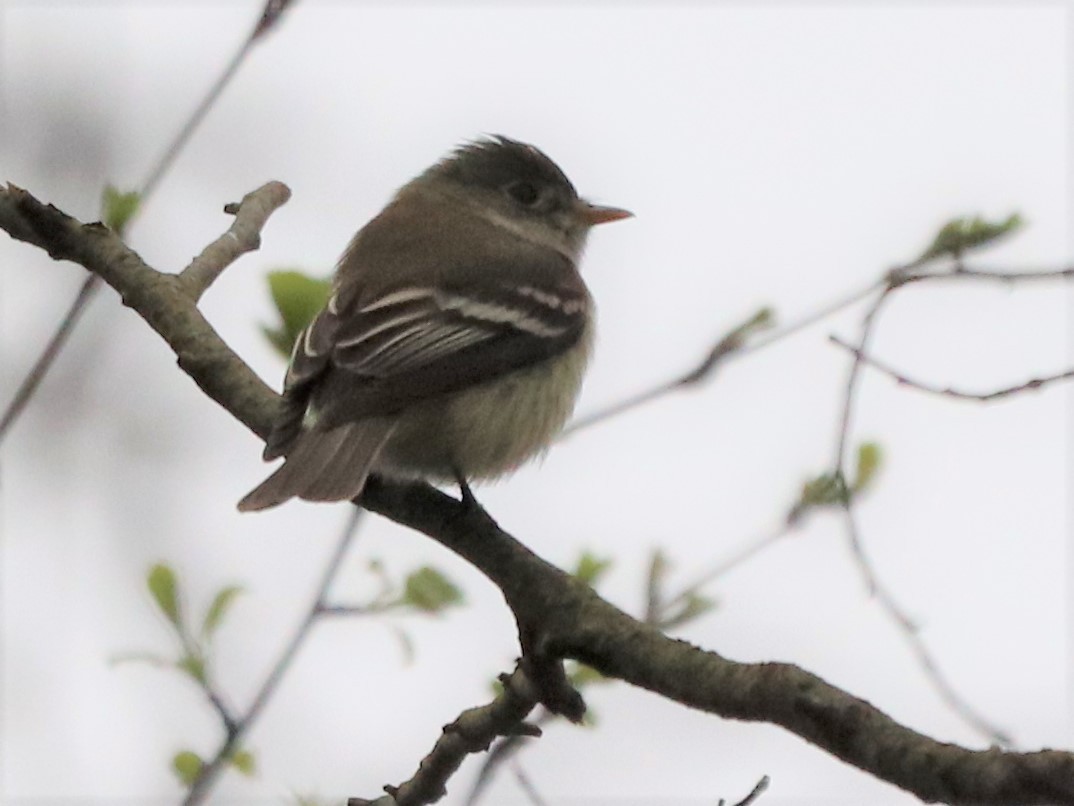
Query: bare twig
x=736, y=558
x=351, y=610
x=234, y=734
x=526, y=784
x=852, y=382
x=733, y=344
x=244, y=235
x=755, y=793
x=809, y=319
x=947, y=391
x=911, y=632
x=503, y=751
x=55, y=345
x=887, y=602
x=270, y=15
x=898, y=277
x=472, y=732
x=216, y=699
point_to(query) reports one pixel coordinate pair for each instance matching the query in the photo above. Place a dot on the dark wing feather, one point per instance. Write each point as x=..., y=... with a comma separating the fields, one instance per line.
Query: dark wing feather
x=414, y=344
x=310, y=357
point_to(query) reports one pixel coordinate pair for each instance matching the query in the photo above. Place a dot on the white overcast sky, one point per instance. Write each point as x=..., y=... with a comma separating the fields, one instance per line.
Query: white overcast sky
x=775, y=154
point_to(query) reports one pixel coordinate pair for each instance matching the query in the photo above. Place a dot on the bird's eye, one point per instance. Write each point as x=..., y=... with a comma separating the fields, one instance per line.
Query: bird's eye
x=523, y=193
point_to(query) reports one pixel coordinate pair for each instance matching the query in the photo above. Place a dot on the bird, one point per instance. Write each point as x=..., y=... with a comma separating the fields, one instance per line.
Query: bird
x=455, y=336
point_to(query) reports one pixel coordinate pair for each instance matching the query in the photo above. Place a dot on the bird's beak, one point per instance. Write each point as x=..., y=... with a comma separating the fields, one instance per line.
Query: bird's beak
x=593, y=214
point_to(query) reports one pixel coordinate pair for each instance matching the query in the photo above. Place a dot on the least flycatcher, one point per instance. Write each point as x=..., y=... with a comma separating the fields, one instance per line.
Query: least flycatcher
x=455, y=337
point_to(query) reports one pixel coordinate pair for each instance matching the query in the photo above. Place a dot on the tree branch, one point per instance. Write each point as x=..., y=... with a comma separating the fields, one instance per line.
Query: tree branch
x=472, y=732
x=243, y=236
x=574, y=621
x=733, y=344
x=758, y=790
x=895, y=280
x=160, y=299
x=946, y=391
x=271, y=13
x=235, y=729
x=40, y=369
x=912, y=634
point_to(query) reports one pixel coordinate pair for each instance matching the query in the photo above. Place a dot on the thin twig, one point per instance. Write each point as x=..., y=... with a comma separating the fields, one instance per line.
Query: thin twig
x=472, y=732
x=947, y=391
x=872, y=582
x=216, y=699
x=351, y=610
x=725, y=565
x=722, y=353
x=175, y=147
x=525, y=783
x=726, y=348
x=758, y=790
x=52, y=350
x=810, y=319
x=899, y=277
x=269, y=17
x=244, y=235
x=912, y=633
x=501, y=752
x=200, y=789
x=852, y=381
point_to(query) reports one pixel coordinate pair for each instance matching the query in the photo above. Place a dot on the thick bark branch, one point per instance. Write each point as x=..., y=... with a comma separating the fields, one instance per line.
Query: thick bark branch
x=160, y=299
x=573, y=621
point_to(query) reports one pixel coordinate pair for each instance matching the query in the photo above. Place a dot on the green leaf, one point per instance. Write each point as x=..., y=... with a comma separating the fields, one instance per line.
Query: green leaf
x=118, y=208
x=582, y=675
x=694, y=606
x=961, y=234
x=193, y=665
x=244, y=762
x=826, y=490
x=869, y=460
x=763, y=319
x=590, y=568
x=165, y=590
x=430, y=591
x=187, y=767
x=279, y=339
x=218, y=609
x=298, y=298
x=141, y=657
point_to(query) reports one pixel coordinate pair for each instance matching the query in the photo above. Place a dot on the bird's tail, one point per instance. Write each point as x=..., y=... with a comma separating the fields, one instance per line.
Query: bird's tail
x=327, y=465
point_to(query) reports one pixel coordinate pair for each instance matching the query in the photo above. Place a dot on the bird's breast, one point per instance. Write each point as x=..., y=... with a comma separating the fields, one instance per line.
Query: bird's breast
x=489, y=430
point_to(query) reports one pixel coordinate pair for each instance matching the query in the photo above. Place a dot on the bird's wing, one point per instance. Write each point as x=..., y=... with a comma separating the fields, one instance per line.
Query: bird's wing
x=415, y=342
x=310, y=358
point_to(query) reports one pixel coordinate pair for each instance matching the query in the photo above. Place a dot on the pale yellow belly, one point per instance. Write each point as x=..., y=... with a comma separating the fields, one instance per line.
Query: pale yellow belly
x=491, y=429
